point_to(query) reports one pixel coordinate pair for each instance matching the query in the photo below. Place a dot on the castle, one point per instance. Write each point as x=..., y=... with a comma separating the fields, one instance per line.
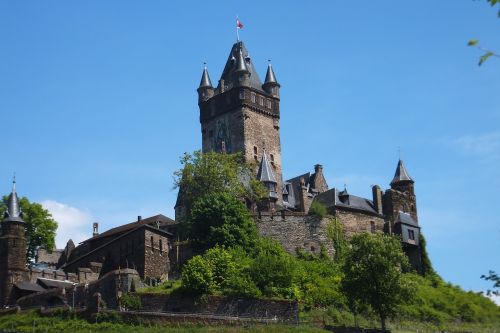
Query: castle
x=241, y=114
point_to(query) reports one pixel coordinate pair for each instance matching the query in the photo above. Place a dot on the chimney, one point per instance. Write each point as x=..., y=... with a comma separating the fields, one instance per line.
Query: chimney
x=139, y=218
x=95, y=229
x=377, y=198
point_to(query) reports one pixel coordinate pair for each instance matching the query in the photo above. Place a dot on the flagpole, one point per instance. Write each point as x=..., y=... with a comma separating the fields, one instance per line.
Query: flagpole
x=237, y=30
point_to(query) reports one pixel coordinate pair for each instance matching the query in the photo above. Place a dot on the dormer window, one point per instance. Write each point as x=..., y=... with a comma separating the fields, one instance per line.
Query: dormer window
x=411, y=234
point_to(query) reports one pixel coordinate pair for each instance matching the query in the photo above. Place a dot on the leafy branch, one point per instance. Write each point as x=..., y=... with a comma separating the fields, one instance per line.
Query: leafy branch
x=475, y=43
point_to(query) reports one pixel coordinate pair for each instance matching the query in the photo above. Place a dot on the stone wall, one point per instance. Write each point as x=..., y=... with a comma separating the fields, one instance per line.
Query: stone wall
x=223, y=306
x=295, y=231
x=156, y=260
x=356, y=222
x=111, y=286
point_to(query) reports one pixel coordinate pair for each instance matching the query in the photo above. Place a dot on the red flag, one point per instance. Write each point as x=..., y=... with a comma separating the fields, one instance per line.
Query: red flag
x=239, y=25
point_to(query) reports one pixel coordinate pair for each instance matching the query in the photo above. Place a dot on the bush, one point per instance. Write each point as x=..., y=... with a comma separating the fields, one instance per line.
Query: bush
x=318, y=209
x=131, y=301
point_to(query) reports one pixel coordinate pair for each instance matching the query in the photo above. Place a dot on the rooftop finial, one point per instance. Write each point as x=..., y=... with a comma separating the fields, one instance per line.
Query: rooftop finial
x=14, y=182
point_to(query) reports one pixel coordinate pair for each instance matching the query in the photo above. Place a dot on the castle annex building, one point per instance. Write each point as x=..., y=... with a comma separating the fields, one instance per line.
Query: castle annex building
x=240, y=114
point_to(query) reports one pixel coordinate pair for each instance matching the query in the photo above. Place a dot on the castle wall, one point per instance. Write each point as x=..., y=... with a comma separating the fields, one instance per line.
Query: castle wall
x=156, y=260
x=296, y=231
x=357, y=222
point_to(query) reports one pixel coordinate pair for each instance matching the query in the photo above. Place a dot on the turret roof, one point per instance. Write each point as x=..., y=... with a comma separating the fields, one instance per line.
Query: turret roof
x=233, y=62
x=270, y=77
x=205, y=79
x=265, y=173
x=401, y=174
x=13, y=212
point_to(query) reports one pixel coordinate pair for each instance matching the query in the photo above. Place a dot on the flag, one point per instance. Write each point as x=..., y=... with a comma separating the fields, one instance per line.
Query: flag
x=239, y=25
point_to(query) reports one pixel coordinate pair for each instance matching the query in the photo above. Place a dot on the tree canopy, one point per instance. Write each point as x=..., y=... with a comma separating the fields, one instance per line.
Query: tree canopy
x=40, y=226
x=374, y=277
x=220, y=219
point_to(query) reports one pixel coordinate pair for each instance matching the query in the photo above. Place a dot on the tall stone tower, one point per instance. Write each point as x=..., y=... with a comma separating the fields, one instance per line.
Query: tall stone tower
x=12, y=250
x=241, y=114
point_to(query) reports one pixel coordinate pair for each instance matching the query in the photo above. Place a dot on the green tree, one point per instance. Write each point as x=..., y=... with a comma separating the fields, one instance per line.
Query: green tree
x=207, y=173
x=495, y=278
x=373, y=274
x=40, y=226
x=487, y=53
x=220, y=219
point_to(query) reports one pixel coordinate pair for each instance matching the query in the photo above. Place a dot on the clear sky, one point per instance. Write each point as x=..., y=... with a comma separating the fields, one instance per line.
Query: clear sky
x=98, y=102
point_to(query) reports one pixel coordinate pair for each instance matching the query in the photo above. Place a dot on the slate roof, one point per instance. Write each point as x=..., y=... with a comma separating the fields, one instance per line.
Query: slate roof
x=132, y=225
x=401, y=174
x=29, y=286
x=265, y=173
x=232, y=66
x=270, y=77
x=332, y=198
x=205, y=79
x=13, y=212
x=51, y=283
x=406, y=218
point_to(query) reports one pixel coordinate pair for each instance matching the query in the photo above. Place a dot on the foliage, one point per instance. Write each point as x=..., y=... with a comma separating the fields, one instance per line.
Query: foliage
x=373, y=274
x=220, y=219
x=495, y=278
x=335, y=233
x=209, y=173
x=438, y=302
x=40, y=226
x=131, y=301
x=475, y=43
x=427, y=269
x=318, y=209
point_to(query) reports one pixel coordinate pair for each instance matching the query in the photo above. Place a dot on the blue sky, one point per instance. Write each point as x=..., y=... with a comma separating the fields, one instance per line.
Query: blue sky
x=98, y=102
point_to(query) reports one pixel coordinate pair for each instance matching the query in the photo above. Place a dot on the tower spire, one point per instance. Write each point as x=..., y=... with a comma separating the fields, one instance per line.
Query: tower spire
x=270, y=77
x=240, y=62
x=13, y=212
x=401, y=175
x=205, y=78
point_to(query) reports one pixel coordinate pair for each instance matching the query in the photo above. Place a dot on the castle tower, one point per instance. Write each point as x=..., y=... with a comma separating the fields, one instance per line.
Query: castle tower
x=12, y=250
x=403, y=183
x=242, y=114
x=400, y=209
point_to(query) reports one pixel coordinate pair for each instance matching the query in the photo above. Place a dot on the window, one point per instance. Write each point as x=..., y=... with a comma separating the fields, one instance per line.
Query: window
x=255, y=150
x=272, y=157
x=372, y=227
x=242, y=94
x=161, y=246
x=152, y=244
x=261, y=100
x=268, y=103
x=253, y=98
x=411, y=234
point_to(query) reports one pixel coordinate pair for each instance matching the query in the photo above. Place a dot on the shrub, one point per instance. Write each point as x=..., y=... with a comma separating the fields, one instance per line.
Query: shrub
x=318, y=209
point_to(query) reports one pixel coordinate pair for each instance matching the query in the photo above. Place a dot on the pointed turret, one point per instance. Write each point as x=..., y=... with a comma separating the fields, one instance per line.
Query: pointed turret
x=239, y=70
x=13, y=212
x=401, y=175
x=266, y=176
x=205, y=90
x=271, y=85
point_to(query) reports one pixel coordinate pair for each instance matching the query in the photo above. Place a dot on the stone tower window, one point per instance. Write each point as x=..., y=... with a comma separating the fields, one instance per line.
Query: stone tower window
x=261, y=100
x=161, y=246
x=268, y=103
x=255, y=150
x=372, y=227
x=242, y=94
x=253, y=98
x=152, y=244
